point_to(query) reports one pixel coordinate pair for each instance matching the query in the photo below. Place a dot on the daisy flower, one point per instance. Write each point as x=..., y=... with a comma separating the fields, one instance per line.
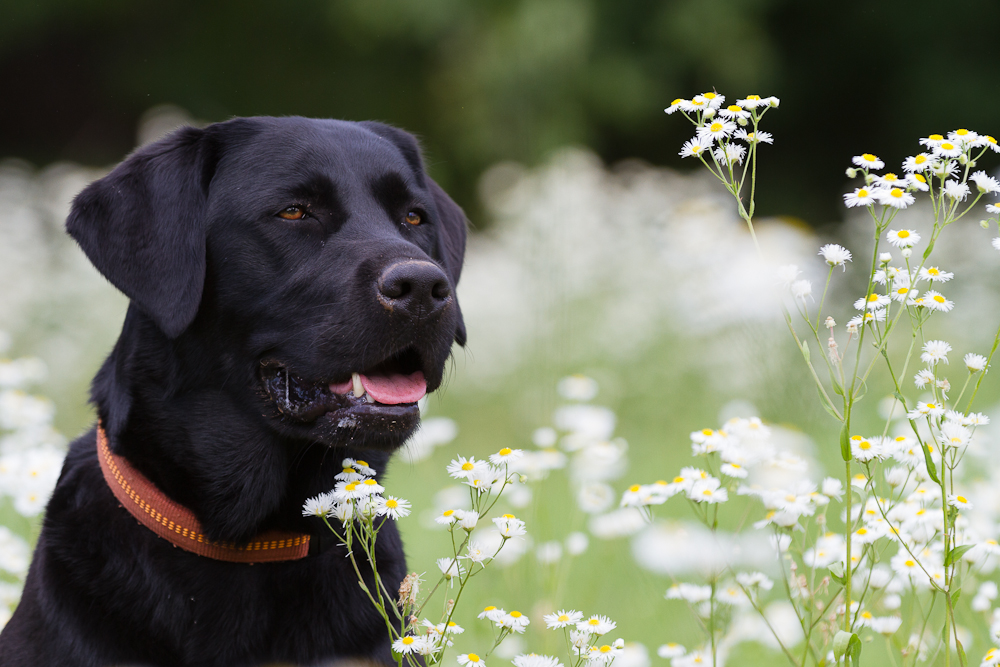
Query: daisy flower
x=873, y=302
x=755, y=580
x=371, y=486
x=947, y=149
x=348, y=474
x=864, y=449
x=730, y=155
x=563, y=619
x=607, y=652
x=955, y=190
x=694, y=147
x=751, y=102
x=932, y=140
x=944, y=168
x=907, y=294
x=708, y=491
x=515, y=620
x=996, y=242
x=321, y=505
x=734, y=111
x=695, y=104
x=671, y=650
x=716, y=130
x=408, y=644
x=349, y=491
x=917, y=182
x=867, y=161
x=916, y=163
x=993, y=208
x=890, y=180
x=985, y=183
x=835, y=255
x=935, y=351
x=958, y=501
x=975, y=362
x=922, y=378
x=860, y=197
x=715, y=100
x=392, y=507
x=465, y=467
x=992, y=144
x=977, y=419
x=903, y=238
x=492, y=613
x=596, y=625
x=896, y=197
x=758, y=137
x=471, y=659
x=674, y=106
x=801, y=289
x=954, y=435
x=932, y=409
x=449, y=567
x=467, y=519
x=963, y=136
x=936, y=301
x=934, y=273
x=734, y=470
x=506, y=455
x=509, y=526
x=447, y=517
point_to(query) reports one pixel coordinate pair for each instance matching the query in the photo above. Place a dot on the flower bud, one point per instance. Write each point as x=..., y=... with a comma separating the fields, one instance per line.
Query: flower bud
x=885, y=257
x=869, y=179
x=852, y=172
x=972, y=164
x=742, y=122
x=985, y=224
x=709, y=113
x=906, y=252
x=963, y=159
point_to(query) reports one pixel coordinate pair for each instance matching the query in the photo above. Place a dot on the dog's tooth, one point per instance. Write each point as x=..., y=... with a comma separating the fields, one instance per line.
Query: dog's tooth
x=368, y=398
x=359, y=389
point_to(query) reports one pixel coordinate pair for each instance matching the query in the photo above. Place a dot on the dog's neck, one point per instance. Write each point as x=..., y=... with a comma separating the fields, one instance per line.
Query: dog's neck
x=198, y=442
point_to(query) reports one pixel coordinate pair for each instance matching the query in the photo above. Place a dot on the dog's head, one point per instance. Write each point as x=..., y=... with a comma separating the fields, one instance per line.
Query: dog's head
x=313, y=261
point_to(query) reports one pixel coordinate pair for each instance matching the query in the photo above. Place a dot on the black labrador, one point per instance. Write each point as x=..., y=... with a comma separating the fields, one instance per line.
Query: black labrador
x=271, y=263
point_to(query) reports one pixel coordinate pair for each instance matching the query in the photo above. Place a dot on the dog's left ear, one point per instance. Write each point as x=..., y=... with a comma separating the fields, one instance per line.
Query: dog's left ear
x=450, y=216
x=143, y=227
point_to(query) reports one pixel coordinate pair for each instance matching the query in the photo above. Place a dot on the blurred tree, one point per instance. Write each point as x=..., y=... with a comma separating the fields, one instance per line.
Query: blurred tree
x=498, y=80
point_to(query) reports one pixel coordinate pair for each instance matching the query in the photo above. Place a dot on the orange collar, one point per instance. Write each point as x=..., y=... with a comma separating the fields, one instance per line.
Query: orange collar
x=178, y=525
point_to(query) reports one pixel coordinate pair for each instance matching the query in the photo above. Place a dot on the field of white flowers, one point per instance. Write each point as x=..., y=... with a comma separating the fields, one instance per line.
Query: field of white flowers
x=622, y=319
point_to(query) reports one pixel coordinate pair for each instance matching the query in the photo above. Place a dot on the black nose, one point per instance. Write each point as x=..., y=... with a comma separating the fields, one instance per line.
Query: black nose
x=414, y=287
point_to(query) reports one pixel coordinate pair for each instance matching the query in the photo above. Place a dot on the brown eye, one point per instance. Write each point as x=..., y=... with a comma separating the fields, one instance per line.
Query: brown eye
x=292, y=213
x=413, y=218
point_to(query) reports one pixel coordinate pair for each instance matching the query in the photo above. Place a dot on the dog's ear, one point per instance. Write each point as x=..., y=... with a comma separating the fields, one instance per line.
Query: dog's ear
x=143, y=226
x=454, y=229
x=452, y=221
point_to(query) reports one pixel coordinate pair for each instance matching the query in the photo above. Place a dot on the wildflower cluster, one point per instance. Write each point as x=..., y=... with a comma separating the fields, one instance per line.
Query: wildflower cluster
x=31, y=455
x=360, y=507
x=907, y=538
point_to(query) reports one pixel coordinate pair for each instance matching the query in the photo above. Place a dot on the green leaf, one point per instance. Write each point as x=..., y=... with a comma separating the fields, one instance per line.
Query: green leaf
x=828, y=409
x=837, y=389
x=961, y=653
x=957, y=594
x=837, y=573
x=899, y=397
x=955, y=554
x=847, y=644
x=931, y=468
x=845, y=442
x=805, y=350
x=930, y=249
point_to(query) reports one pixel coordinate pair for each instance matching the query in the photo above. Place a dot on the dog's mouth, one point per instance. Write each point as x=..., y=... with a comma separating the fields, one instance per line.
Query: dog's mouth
x=384, y=396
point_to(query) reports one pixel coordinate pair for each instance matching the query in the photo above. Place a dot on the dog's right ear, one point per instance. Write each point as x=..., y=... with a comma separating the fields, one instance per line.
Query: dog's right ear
x=143, y=226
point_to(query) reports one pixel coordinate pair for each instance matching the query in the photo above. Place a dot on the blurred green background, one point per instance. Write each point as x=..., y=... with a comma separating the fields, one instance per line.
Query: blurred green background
x=559, y=277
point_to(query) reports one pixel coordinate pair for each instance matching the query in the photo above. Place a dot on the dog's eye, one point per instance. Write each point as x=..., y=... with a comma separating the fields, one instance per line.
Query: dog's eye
x=413, y=218
x=292, y=213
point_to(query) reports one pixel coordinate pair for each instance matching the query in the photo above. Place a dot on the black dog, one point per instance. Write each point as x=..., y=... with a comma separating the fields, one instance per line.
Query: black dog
x=272, y=264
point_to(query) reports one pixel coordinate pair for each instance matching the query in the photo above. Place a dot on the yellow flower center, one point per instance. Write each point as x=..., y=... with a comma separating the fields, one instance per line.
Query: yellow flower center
x=932, y=406
x=452, y=624
x=515, y=614
x=505, y=451
x=990, y=139
x=697, y=102
x=391, y=504
x=473, y=657
x=890, y=177
x=734, y=108
x=755, y=98
x=370, y=482
x=873, y=298
x=868, y=157
x=448, y=512
x=920, y=159
x=363, y=463
x=351, y=487
x=865, y=445
x=407, y=641
x=897, y=193
x=935, y=137
x=605, y=649
x=467, y=466
x=676, y=102
x=910, y=563
x=902, y=233
x=707, y=431
x=709, y=96
x=934, y=271
x=902, y=290
x=563, y=618
x=939, y=298
x=862, y=531
x=862, y=193
x=736, y=465
x=715, y=127
x=947, y=146
x=348, y=469
x=634, y=488
x=961, y=133
x=490, y=608
x=678, y=480
x=706, y=492
x=790, y=498
x=866, y=614
x=594, y=621
x=900, y=438
x=961, y=499
x=508, y=516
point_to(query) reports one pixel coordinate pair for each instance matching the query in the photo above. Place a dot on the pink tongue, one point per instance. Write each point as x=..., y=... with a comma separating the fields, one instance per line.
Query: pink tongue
x=394, y=389
x=345, y=387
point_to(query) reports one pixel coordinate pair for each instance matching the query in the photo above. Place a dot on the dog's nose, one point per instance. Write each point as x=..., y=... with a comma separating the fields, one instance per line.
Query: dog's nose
x=415, y=287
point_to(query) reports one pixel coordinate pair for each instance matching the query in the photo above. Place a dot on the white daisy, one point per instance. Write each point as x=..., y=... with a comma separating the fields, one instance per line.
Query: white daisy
x=934, y=273
x=492, y=613
x=563, y=619
x=734, y=111
x=873, y=302
x=408, y=644
x=675, y=105
x=992, y=144
x=801, y=289
x=465, y=468
x=975, y=362
x=509, y=526
x=922, y=378
x=671, y=650
x=917, y=163
x=932, y=140
x=321, y=505
x=958, y=501
x=935, y=351
x=955, y=190
x=936, y=301
x=596, y=625
x=860, y=197
x=963, y=137
x=917, y=182
x=393, y=507
x=716, y=130
x=758, y=137
x=730, y=155
x=889, y=180
x=835, y=255
x=471, y=659
x=751, y=102
x=985, y=183
x=515, y=620
x=947, y=149
x=694, y=147
x=993, y=208
x=506, y=456
x=715, y=100
x=944, y=168
x=903, y=294
x=867, y=161
x=865, y=449
x=903, y=238
x=896, y=197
